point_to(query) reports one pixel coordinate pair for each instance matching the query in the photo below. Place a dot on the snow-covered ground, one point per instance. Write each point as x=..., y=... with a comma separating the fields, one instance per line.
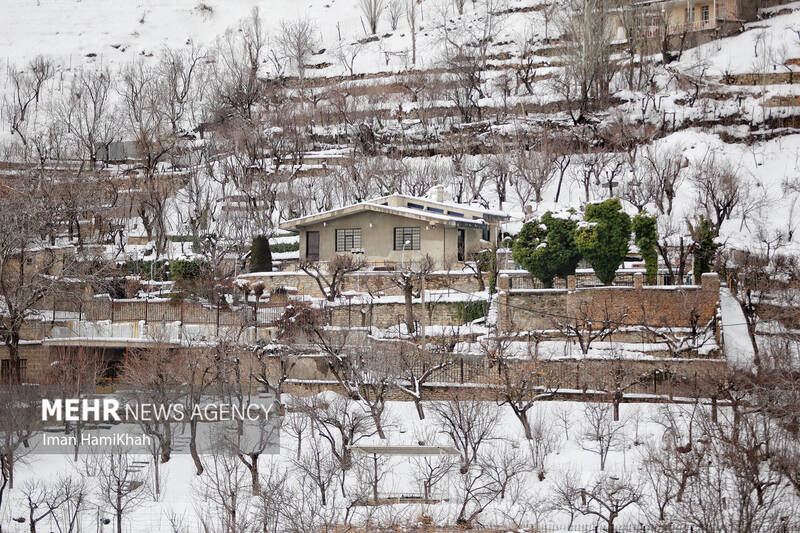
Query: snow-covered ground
x=181, y=490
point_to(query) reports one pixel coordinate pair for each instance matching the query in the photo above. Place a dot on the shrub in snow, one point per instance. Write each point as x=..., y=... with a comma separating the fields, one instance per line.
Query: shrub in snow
x=546, y=248
x=646, y=238
x=604, y=240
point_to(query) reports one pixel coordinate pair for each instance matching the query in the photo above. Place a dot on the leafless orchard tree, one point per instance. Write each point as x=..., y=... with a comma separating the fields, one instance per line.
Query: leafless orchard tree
x=297, y=42
x=239, y=64
x=590, y=323
x=73, y=374
x=605, y=497
x=601, y=434
x=720, y=188
x=86, y=112
x=587, y=74
x=341, y=423
x=153, y=377
x=372, y=11
x=120, y=486
x=27, y=276
x=20, y=420
x=657, y=176
x=469, y=424
x=736, y=469
x=48, y=500
x=347, y=54
x=180, y=73
x=26, y=90
x=224, y=503
x=150, y=131
x=411, y=9
x=409, y=280
x=395, y=13
x=521, y=384
x=533, y=170
x=320, y=467
x=416, y=365
x=330, y=276
x=430, y=470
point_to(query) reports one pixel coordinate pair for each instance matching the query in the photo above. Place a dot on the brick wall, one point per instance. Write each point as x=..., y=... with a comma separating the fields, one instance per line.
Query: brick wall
x=669, y=377
x=529, y=309
x=369, y=282
x=384, y=315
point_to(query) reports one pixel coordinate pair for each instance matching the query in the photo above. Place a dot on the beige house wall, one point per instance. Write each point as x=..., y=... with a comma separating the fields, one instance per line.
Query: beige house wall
x=377, y=238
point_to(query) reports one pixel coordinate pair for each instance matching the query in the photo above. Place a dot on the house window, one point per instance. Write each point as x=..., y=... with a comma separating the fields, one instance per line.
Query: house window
x=406, y=235
x=5, y=370
x=348, y=240
x=705, y=15
x=689, y=15
x=485, y=235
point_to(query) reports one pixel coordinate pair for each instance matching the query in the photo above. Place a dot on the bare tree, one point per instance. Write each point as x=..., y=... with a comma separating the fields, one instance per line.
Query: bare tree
x=46, y=500
x=590, y=323
x=469, y=424
x=534, y=169
x=602, y=434
x=179, y=76
x=430, y=469
x=120, y=485
x=73, y=374
x=372, y=11
x=720, y=189
x=226, y=502
x=20, y=420
x=320, y=467
x=606, y=497
x=86, y=111
x=239, y=63
x=30, y=271
x=521, y=383
x=297, y=42
x=416, y=365
x=153, y=376
x=411, y=17
x=410, y=278
x=395, y=13
x=341, y=423
x=587, y=73
x=330, y=276
x=26, y=90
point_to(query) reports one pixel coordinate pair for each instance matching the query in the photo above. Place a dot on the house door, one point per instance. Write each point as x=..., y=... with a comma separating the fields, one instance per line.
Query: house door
x=461, y=245
x=312, y=245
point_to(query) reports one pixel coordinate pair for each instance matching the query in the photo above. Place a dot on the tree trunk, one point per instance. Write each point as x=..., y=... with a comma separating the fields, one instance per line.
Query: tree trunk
x=119, y=509
x=407, y=294
x=193, y=447
x=14, y=375
x=418, y=405
x=254, y=474
x=526, y=425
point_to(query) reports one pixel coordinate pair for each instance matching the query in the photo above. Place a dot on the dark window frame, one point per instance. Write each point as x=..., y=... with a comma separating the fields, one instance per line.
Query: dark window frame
x=405, y=233
x=347, y=239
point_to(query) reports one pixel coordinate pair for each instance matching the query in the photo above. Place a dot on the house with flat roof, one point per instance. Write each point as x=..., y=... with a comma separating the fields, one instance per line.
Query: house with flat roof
x=396, y=228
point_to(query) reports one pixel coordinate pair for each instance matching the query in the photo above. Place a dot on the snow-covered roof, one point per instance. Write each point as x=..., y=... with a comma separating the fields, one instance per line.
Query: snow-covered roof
x=406, y=206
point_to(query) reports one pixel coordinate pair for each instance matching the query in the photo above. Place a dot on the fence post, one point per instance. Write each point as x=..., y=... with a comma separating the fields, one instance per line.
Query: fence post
x=217, y=317
x=112, y=308
x=181, y=310
x=146, y=308
x=461, y=372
